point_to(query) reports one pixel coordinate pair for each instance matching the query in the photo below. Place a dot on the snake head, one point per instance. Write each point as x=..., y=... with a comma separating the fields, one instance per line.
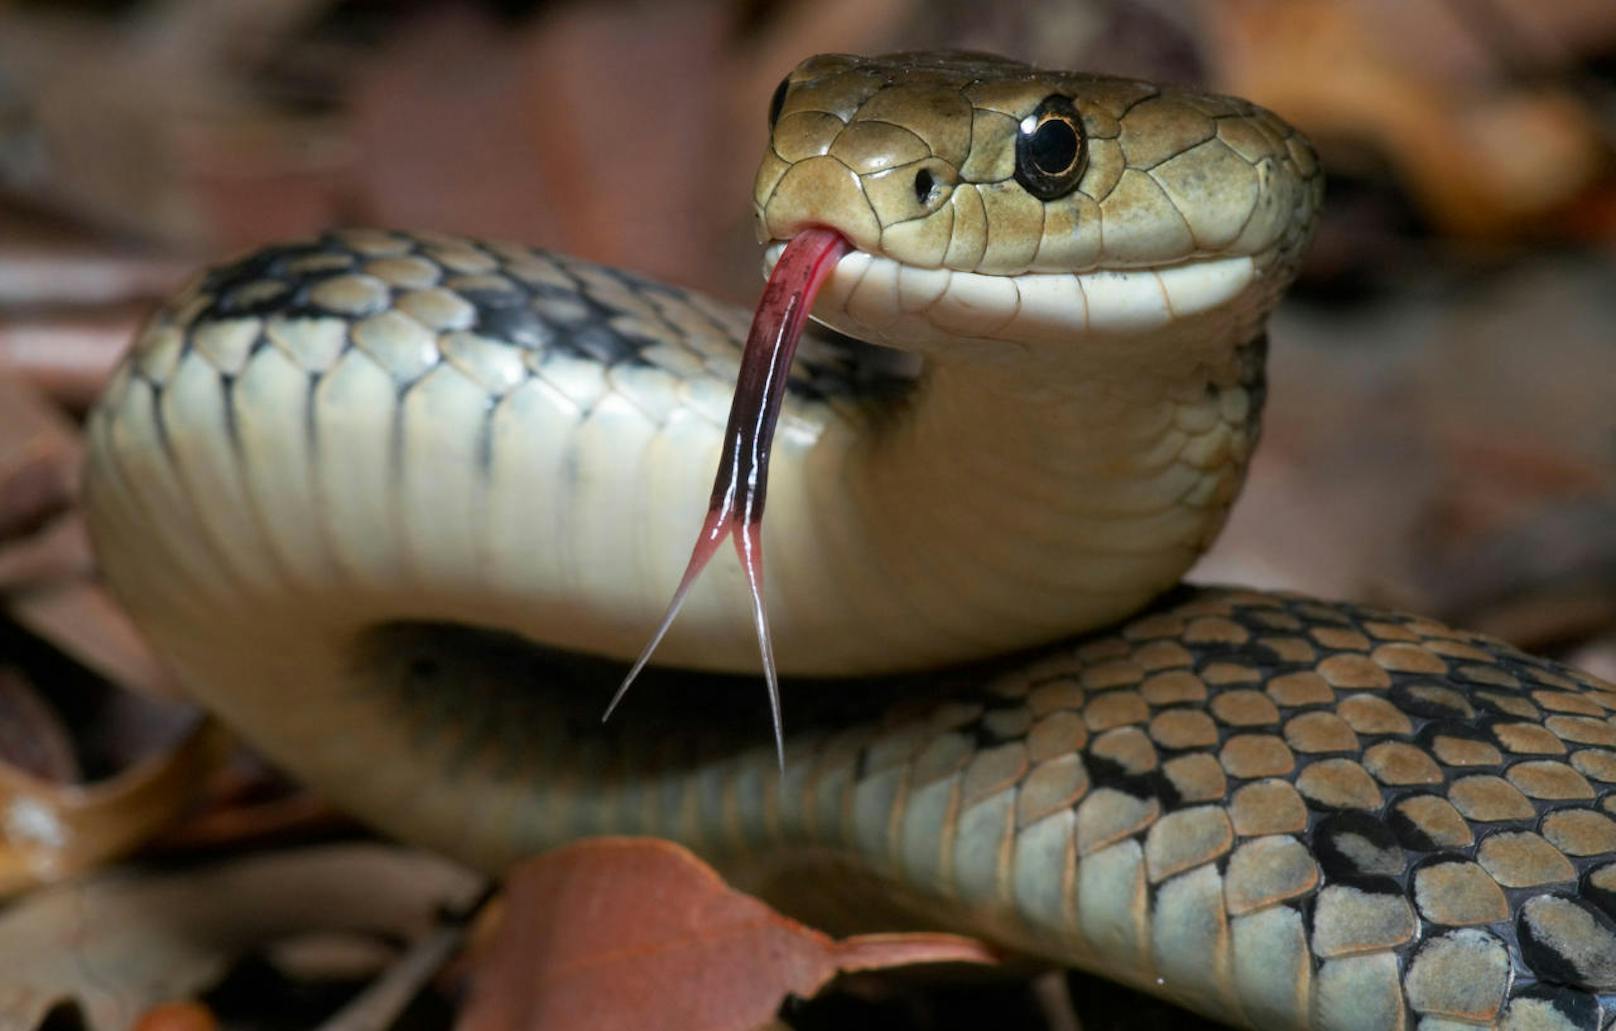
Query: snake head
x=992, y=202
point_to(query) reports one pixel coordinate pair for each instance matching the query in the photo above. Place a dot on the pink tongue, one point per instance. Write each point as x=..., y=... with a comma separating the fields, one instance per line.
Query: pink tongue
x=736, y=508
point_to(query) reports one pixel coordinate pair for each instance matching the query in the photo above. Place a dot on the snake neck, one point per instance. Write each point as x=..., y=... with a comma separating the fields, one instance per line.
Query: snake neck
x=1016, y=497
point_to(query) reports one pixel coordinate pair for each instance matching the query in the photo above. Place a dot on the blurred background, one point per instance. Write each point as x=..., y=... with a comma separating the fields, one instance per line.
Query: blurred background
x=1441, y=430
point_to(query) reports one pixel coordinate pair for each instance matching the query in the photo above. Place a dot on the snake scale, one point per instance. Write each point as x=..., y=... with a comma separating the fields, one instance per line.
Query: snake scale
x=398, y=506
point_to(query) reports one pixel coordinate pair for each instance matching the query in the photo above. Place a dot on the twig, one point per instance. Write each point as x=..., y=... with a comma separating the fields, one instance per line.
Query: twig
x=379, y=1006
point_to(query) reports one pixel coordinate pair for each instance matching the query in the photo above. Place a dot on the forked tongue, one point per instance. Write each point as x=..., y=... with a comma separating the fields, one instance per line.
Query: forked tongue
x=736, y=507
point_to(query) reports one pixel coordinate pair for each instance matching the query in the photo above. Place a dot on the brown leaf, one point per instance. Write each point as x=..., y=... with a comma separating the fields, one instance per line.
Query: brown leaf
x=177, y=1016
x=70, y=360
x=235, y=819
x=379, y=1006
x=57, y=550
x=53, y=831
x=638, y=933
x=48, y=266
x=39, y=458
x=32, y=737
x=1481, y=156
x=45, y=562
x=1597, y=657
x=36, y=483
x=82, y=621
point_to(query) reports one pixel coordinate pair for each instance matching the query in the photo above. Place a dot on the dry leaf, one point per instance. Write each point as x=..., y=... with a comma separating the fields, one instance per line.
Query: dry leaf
x=82, y=621
x=177, y=1016
x=69, y=359
x=36, y=482
x=45, y=563
x=57, y=550
x=1597, y=657
x=121, y=945
x=379, y=1006
x=250, y=812
x=637, y=933
x=52, y=831
x=47, y=266
x=32, y=737
x=39, y=458
x=1482, y=157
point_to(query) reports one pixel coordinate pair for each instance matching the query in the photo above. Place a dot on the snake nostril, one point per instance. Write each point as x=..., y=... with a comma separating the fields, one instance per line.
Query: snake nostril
x=925, y=185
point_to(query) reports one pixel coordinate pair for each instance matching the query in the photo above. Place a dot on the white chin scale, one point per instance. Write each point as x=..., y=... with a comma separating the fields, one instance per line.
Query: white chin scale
x=887, y=302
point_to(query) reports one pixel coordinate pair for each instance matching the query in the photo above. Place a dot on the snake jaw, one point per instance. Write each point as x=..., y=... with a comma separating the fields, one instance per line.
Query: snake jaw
x=740, y=485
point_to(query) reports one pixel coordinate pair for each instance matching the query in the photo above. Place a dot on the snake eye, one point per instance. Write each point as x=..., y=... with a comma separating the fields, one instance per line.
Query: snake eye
x=1050, y=155
x=777, y=101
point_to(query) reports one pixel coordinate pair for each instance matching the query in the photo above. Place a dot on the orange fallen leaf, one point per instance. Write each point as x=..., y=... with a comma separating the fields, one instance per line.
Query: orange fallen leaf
x=56, y=831
x=177, y=1016
x=637, y=933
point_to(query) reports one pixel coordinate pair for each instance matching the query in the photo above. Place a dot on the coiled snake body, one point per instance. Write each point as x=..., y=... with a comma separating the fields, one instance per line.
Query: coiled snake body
x=344, y=484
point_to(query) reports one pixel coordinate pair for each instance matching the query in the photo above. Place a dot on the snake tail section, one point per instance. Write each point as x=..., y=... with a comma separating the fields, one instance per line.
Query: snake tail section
x=1277, y=811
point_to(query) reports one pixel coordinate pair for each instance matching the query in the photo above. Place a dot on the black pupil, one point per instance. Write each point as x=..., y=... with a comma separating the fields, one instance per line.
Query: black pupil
x=1053, y=146
x=923, y=185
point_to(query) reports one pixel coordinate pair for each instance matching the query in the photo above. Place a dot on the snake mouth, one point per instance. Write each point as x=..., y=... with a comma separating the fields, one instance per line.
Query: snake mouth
x=886, y=301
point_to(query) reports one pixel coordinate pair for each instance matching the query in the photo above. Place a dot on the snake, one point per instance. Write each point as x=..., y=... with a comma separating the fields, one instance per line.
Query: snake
x=401, y=506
